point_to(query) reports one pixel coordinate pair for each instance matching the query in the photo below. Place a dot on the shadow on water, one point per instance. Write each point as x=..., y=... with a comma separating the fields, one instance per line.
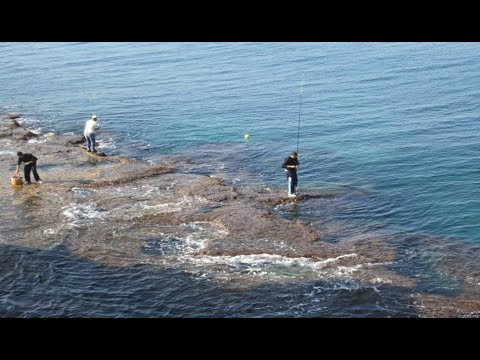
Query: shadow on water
x=52, y=283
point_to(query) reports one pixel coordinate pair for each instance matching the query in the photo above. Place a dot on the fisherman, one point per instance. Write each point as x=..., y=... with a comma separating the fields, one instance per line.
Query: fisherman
x=30, y=164
x=90, y=126
x=291, y=165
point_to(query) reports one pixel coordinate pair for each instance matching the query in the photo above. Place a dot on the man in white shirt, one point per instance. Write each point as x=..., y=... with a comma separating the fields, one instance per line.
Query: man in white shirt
x=89, y=133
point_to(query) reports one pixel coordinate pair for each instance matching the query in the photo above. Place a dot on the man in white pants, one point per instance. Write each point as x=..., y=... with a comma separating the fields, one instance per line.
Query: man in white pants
x=291, y=165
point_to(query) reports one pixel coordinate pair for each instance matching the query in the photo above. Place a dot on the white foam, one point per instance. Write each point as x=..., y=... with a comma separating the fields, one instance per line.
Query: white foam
x=81, y=214
x=379, y=280
x=8, y=152
x=79, y=192
x=49, y=231
x=42, y=138
x=151, y=190
x=37, y=131
x=343, y=272
x=144, y=208
x=176, y=246
x=275, y=267
x=37, y=141
x=34, y=125
x=106, y=143
x=195, y=225
x=323, y=263
x=263, y=265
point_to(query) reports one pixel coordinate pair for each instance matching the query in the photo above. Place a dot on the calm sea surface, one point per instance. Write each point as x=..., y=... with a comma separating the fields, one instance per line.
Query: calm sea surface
x=399, y=121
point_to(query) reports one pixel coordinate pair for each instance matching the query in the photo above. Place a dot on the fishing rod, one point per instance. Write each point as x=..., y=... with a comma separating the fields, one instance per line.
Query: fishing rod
x=299, y=113
x=93, y=104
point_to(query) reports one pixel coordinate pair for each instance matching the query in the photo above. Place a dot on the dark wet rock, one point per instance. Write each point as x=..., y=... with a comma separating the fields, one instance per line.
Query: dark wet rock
x=13, y=124
x=28, y=135
x=113, y=250
x=132, y=177
x=374, y=248
x=255, y=231
x=95, y=154
x=13, y=115
x=275, y=199
x=75, y=140
x=10, y=128
x=210, y=188
x=432, y=305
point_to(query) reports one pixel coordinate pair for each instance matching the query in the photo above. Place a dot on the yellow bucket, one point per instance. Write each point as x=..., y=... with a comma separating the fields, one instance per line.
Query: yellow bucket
x=16, y=180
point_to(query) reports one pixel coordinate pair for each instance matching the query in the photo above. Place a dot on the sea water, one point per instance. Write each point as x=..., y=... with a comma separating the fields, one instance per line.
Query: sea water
x=396, y=121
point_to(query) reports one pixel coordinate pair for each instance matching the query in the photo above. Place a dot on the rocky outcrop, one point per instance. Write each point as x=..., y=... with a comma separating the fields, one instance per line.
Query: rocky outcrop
x=12, y=115
x=10, y=128
x=124, y=212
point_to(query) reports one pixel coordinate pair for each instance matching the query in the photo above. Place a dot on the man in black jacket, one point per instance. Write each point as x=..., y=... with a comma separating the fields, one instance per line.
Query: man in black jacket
x=291, y=165
x=30, y=163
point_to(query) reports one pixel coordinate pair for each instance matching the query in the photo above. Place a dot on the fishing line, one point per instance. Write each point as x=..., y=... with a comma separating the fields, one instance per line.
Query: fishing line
x=93, y=104
x=299, y=113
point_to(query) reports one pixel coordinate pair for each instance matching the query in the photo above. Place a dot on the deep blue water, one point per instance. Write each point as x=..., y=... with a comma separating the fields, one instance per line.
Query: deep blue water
x=399, y=120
